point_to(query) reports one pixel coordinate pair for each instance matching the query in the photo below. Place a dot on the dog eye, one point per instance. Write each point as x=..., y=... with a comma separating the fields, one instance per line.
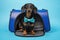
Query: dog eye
x=25, y=7
x=31, y=7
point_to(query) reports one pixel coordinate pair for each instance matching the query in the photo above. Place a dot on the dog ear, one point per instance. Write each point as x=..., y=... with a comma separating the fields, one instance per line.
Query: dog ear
x=35, y=9
x=23, y=9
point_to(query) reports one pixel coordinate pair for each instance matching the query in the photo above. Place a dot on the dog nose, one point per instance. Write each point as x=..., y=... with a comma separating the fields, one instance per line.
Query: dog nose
x=28, y=10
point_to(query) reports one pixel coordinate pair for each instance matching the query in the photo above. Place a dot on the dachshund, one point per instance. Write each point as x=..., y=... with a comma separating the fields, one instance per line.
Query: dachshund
x=29, y=9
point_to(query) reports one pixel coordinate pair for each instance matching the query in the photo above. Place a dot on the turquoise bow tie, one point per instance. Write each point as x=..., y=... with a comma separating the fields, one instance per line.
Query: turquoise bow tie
x=29, y=20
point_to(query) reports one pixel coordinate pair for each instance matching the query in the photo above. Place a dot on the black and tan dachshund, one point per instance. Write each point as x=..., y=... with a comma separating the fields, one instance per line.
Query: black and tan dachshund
x=27, y=19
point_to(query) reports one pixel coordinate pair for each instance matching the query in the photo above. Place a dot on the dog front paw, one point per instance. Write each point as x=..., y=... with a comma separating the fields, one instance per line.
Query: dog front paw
x=32, y=32
x=24, y=32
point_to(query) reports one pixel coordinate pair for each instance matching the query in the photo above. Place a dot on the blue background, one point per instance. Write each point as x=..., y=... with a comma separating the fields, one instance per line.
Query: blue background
x=54, y=14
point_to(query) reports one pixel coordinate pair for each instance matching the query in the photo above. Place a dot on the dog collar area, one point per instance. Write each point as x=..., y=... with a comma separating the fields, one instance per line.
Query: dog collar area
x=29, y=20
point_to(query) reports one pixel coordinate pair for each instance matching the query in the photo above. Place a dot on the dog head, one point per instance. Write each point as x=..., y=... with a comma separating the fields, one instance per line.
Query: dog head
x=29, y=8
